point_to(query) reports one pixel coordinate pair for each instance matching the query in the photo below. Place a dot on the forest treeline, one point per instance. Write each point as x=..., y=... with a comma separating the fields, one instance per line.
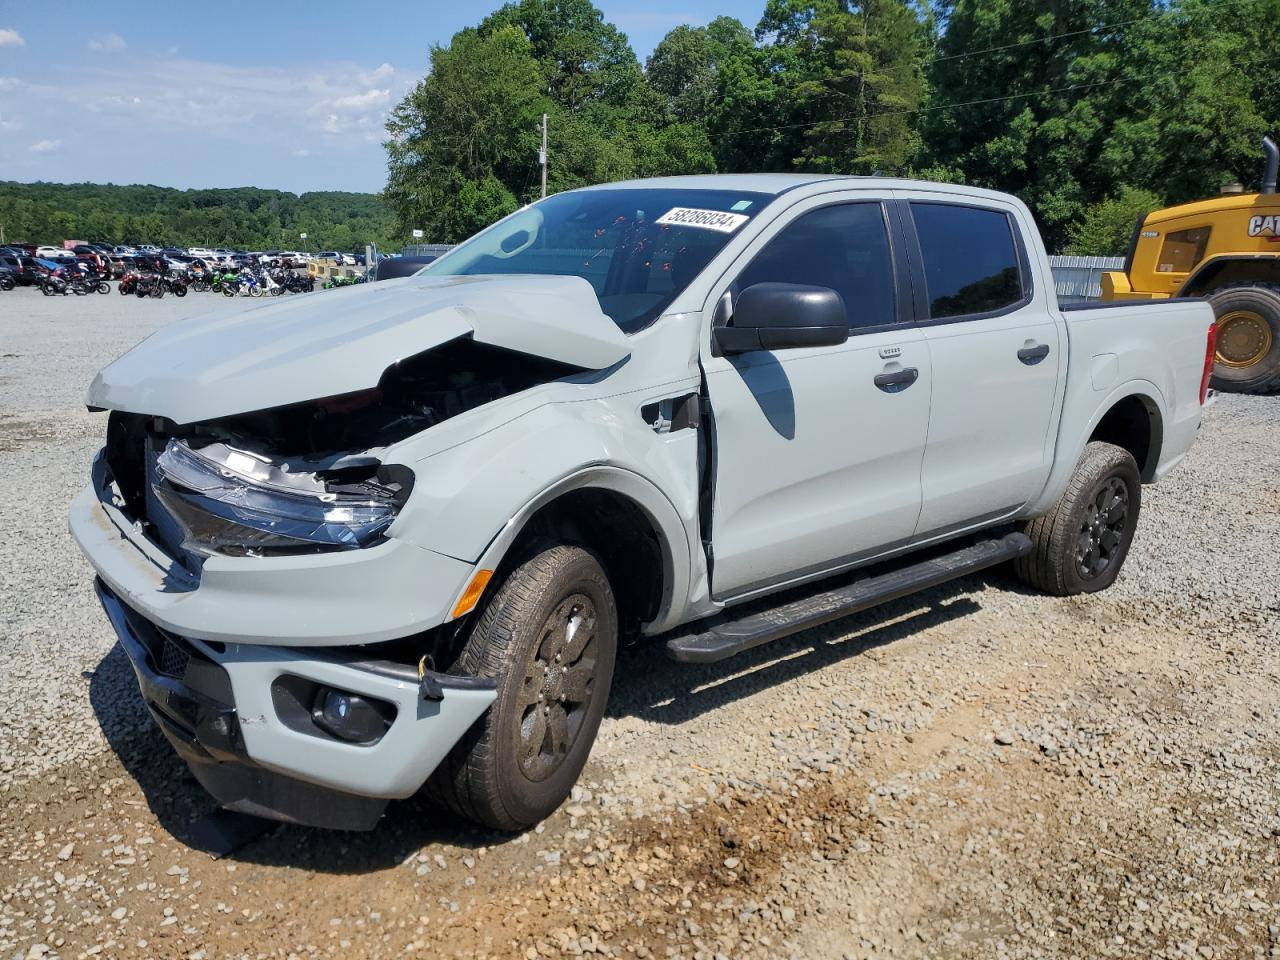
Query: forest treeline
x=1091, y=111
x=243, y=218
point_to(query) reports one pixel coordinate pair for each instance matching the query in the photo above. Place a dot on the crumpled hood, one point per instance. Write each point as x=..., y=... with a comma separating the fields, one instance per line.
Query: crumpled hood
x=340, y=341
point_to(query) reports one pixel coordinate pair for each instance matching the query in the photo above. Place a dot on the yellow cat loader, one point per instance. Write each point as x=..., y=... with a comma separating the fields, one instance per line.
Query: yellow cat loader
x=1226, y=250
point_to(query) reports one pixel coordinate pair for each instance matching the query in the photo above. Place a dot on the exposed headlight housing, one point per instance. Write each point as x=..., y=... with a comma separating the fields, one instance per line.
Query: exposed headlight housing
x=235, y=502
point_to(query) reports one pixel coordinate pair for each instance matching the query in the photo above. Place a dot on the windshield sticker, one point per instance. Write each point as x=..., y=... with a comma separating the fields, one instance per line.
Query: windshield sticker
x=742, y=205
x=716, y=220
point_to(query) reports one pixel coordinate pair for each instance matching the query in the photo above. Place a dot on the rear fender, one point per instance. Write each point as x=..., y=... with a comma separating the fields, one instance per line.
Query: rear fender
x=1069, y=455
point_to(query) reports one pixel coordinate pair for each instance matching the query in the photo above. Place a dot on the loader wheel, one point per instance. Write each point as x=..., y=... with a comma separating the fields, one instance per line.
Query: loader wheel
x=549, y=637
x=1248, y=351
x=1080, y=545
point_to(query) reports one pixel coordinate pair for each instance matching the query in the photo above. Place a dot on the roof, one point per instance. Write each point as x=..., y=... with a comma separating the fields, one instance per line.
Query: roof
x=776, y=183
x=1229, y=201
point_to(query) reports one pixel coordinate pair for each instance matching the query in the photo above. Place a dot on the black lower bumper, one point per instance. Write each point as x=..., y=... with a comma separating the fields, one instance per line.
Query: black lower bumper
x=190, y=698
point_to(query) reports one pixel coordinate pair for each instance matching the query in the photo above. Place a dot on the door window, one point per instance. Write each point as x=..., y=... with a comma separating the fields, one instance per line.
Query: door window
x=844, y=247
x=970, y=259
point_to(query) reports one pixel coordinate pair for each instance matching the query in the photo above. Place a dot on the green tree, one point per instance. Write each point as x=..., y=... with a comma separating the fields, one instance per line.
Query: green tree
x=466, y=133
x=1106, y=226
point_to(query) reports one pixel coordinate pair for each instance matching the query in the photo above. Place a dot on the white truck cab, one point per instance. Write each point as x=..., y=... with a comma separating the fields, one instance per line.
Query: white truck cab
x=388, y=536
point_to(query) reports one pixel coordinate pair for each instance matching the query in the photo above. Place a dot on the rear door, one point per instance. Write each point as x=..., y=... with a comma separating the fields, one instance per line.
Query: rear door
x=997, y=352
x=818, y=449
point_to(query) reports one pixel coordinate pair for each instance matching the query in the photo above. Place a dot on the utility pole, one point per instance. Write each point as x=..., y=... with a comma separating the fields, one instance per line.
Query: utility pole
x=542, y=156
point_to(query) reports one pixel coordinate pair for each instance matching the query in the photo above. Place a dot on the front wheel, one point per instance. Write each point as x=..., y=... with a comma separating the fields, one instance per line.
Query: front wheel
x=104, y=287
x=549, y=638
x=1080, y=545
x=179, y=291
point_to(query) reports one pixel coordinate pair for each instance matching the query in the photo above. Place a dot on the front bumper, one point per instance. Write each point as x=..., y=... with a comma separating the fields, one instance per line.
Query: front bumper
x=249, y=745
x=239, y=632
x=383, y=592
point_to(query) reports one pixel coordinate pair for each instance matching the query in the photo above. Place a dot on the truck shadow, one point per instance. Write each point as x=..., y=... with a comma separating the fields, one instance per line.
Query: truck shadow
x=646, y=685
x=660, y=690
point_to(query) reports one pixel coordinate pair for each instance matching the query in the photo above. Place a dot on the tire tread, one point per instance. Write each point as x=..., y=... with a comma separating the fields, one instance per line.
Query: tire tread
x=1271, y=384
x=464, y=782
x=1045, y=567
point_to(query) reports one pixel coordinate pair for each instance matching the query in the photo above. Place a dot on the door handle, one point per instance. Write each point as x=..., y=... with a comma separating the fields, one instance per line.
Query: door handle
x=1033, y=355
x=897, y=381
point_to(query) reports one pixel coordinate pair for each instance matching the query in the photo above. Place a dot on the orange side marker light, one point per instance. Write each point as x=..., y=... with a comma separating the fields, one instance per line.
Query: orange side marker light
x=471, y=596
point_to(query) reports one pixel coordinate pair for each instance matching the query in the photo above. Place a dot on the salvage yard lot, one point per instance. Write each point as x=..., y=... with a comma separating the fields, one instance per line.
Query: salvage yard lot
x=976, y=771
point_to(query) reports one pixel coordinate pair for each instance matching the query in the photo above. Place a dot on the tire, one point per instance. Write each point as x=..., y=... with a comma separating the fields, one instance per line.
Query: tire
x=104, y=287
x=1056, y=563
x=1248, y=357
x=47, y=289
x=179, y=291
x=489, y=776
x=228, y=292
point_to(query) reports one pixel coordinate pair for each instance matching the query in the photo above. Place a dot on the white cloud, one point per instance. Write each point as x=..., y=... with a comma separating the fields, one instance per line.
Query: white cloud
x=233, y=116
x=107, y=43
x=362, y=101
x=10, y=83
x=304, y=152
x=11, y=38
x=44, y=146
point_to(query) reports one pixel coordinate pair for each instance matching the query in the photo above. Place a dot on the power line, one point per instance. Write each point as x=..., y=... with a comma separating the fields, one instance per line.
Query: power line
x=1046, y=39
x=974, y=103
x=982, y=51
x=1100, y=28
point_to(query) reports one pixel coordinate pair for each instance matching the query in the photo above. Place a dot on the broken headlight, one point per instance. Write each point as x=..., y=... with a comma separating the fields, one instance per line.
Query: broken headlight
x=234, y=502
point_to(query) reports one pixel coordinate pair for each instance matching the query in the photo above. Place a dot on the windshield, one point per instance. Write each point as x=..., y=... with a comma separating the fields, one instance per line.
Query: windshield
x=638, y=248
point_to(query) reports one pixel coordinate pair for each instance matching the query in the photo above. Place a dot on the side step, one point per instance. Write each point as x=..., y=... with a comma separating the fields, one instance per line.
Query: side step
x=734, y=636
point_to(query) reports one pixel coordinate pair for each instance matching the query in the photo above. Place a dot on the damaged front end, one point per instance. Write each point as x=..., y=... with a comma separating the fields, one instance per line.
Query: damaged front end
x=305, y=477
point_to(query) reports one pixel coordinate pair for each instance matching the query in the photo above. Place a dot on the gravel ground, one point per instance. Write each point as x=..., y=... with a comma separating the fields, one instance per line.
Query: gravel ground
x=978, y=771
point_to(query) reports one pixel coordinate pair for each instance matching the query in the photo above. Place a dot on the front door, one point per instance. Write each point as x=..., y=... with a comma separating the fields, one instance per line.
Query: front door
x=818, y=449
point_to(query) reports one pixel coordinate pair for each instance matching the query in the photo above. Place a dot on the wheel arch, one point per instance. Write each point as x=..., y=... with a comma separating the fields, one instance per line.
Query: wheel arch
x=623, y=519
x=1231, y=268
x=1075, y=432
x=1135, y=423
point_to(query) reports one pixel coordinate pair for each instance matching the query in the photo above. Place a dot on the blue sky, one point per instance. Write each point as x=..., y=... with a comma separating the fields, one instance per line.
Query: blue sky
x=265, y=94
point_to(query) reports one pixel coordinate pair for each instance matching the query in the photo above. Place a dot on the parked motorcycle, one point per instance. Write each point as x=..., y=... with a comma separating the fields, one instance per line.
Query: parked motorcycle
x=90, y=283
x=150, y=285
x=54, y=284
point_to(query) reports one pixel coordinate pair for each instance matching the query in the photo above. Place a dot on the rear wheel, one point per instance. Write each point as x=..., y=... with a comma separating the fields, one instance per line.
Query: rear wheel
x=1247, y=358
x=1080, y=545
x=549, y=637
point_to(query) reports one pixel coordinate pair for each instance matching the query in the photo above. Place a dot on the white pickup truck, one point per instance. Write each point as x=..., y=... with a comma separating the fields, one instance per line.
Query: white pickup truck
x=359, y=541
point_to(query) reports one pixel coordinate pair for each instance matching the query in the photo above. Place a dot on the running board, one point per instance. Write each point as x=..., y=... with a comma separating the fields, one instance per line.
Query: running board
x=734, y=636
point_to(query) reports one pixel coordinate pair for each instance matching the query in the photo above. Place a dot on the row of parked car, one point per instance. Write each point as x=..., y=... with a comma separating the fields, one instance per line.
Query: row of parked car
x=27, y=264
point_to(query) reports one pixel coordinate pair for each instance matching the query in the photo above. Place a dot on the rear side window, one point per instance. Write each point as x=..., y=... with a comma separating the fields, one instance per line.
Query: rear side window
x=970, y=259
x=1183, y=250
x=844, y=247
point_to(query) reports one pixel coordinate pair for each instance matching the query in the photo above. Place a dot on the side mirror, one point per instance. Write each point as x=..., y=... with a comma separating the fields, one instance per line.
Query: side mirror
x=780, y=316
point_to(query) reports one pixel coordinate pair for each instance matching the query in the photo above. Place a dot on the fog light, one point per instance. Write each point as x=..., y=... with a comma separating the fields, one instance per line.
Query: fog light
x=350, y=717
